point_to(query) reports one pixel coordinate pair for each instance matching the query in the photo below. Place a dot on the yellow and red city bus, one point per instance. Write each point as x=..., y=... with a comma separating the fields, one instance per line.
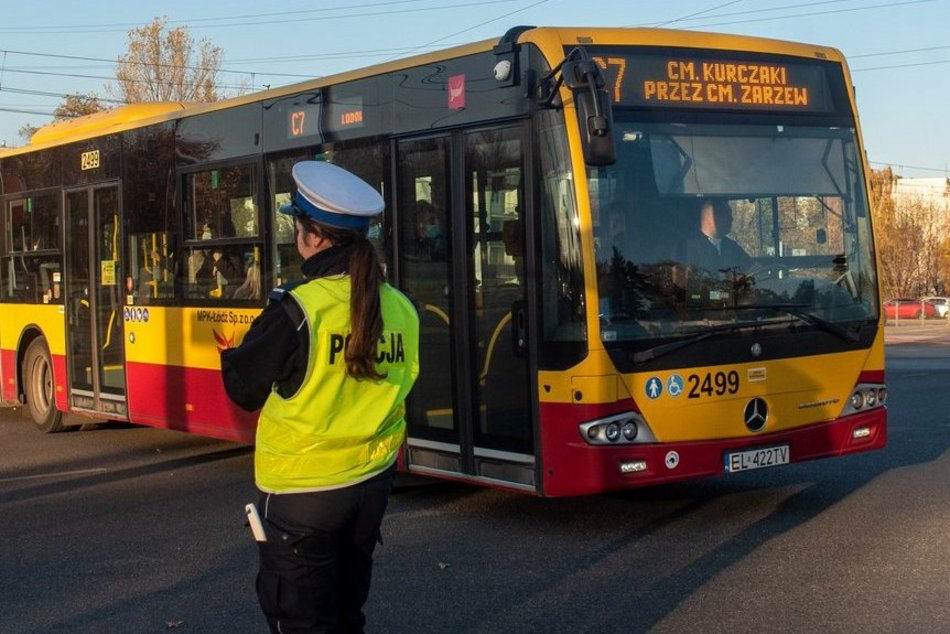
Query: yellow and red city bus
x=544, y=196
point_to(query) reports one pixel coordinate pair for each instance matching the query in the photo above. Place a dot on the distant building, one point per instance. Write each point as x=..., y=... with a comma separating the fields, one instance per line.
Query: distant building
x=927, y=199
x=927, y=190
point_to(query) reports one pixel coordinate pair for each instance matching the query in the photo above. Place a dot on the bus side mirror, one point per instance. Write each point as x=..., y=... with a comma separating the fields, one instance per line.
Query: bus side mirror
x=596, y=127
x=595, y=116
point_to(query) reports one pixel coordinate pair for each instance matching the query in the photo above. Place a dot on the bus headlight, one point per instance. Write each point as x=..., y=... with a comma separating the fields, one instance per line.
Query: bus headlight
x=864, y=397
x=857, y=400
x=618, y=429
x=629, y=430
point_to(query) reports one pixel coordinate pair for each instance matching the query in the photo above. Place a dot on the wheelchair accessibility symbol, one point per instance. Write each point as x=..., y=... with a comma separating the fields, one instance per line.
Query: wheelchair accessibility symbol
x=674, y=385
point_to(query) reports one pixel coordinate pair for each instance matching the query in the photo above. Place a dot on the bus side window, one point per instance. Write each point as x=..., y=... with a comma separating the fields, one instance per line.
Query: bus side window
x=222, y=234
x=152, y=268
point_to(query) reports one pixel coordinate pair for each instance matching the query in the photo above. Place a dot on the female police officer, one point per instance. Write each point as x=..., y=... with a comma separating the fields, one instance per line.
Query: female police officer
x=331, y=359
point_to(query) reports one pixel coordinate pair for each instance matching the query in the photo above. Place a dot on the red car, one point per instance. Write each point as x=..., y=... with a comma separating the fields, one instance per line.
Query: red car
x=905, y=308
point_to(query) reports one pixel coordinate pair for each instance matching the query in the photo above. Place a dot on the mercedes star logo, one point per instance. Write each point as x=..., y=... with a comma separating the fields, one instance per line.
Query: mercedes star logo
x=756, y=413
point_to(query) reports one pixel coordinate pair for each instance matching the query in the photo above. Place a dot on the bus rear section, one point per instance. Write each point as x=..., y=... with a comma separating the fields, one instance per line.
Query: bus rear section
x=716, y=349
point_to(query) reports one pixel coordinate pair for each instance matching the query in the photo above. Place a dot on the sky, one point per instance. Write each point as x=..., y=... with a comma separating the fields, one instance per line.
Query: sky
x=898, y=50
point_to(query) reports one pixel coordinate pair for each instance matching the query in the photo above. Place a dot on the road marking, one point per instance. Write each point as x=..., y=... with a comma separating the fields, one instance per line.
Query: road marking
x=58, y=474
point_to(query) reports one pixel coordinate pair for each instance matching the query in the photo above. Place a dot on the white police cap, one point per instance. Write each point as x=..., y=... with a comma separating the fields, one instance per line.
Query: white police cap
x=332, y=196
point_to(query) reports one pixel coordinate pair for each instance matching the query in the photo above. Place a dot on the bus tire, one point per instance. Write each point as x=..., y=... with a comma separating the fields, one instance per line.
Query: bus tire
x=37, y=373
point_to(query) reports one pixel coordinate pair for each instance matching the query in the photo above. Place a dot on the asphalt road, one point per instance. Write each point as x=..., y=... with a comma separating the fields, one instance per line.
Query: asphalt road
x=127, y=529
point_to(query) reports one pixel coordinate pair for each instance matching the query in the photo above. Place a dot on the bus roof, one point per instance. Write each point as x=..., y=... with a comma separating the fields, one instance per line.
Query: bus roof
x=551, y=41
x=103, y=121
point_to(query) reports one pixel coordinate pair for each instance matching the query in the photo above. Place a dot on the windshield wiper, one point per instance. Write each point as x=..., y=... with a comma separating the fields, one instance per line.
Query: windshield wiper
x=796, y=311
x=663, y=349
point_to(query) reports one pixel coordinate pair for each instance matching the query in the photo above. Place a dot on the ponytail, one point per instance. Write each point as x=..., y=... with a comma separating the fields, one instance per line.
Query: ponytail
x=366, y=315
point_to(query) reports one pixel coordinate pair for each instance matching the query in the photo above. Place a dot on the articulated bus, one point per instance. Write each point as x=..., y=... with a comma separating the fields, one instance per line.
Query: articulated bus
x=544, y=191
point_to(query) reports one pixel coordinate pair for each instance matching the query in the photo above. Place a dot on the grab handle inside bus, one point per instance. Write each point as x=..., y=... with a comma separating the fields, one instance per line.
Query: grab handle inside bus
x=519, y=330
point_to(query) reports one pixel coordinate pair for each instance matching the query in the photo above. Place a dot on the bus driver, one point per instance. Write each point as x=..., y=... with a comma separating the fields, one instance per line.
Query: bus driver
x=710, y=253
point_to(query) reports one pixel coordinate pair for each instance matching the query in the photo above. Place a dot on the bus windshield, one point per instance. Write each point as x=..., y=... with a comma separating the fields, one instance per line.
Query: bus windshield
x=698, y=226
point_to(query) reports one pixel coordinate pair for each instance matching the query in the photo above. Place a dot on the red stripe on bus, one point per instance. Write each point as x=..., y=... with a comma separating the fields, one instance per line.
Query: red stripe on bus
x=871, y=376
x=8, y=361
x=573, y=467
x=10, y=370
x=59, y=381
x=186, y=399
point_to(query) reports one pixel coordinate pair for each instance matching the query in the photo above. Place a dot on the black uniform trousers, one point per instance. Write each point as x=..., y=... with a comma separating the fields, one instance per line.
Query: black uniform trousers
x=316, y=565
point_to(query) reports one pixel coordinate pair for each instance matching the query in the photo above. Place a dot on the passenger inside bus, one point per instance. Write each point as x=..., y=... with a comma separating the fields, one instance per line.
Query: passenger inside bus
x=251, y=288
x=430, y=237
x=219, y=267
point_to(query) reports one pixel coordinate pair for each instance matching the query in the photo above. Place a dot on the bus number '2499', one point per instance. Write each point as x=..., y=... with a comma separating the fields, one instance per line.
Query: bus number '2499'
x=718, y=383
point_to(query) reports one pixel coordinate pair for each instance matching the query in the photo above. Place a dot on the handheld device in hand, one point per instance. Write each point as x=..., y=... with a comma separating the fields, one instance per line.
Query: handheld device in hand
x=254, y=521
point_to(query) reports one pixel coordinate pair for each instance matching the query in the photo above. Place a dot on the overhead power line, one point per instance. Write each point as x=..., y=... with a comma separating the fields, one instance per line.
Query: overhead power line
x=188, y=21
x=285, y=20
x=135, y=63
x=112, y=78
x=42, y=113
x=404, y=50
x=910, y=167
x=902, y=52
x=809, y=14
x=471, y=28
x=693, y=15
x=689, y=18
x=43, y=93
x=859, y=70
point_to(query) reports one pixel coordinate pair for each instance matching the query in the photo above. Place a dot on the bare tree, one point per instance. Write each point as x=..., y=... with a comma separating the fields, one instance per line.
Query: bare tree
x=71, y=107
x=26, y=131
x=165, y=64
x=910, y=236
x=887, y=232
x=931, y=227
x=161, y=65
x=882, y=188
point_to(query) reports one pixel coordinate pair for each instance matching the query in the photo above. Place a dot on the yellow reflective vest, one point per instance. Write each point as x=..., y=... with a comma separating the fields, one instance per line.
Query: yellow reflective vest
x=336, y=430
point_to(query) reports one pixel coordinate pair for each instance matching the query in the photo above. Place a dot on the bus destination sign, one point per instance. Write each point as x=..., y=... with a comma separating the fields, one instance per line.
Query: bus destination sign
x=346, y=113
x=682, y=81
x=303, y=121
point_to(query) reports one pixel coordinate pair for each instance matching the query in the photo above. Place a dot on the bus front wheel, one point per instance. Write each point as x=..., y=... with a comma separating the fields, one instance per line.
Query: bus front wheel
x=39, y=390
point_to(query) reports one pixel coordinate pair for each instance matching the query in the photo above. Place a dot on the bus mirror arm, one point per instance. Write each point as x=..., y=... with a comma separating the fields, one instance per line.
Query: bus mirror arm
x=584, y=78
x=547, y=91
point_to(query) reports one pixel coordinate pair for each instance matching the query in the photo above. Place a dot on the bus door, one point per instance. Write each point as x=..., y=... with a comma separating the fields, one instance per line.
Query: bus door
x=460, y=211
x=94, y=317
